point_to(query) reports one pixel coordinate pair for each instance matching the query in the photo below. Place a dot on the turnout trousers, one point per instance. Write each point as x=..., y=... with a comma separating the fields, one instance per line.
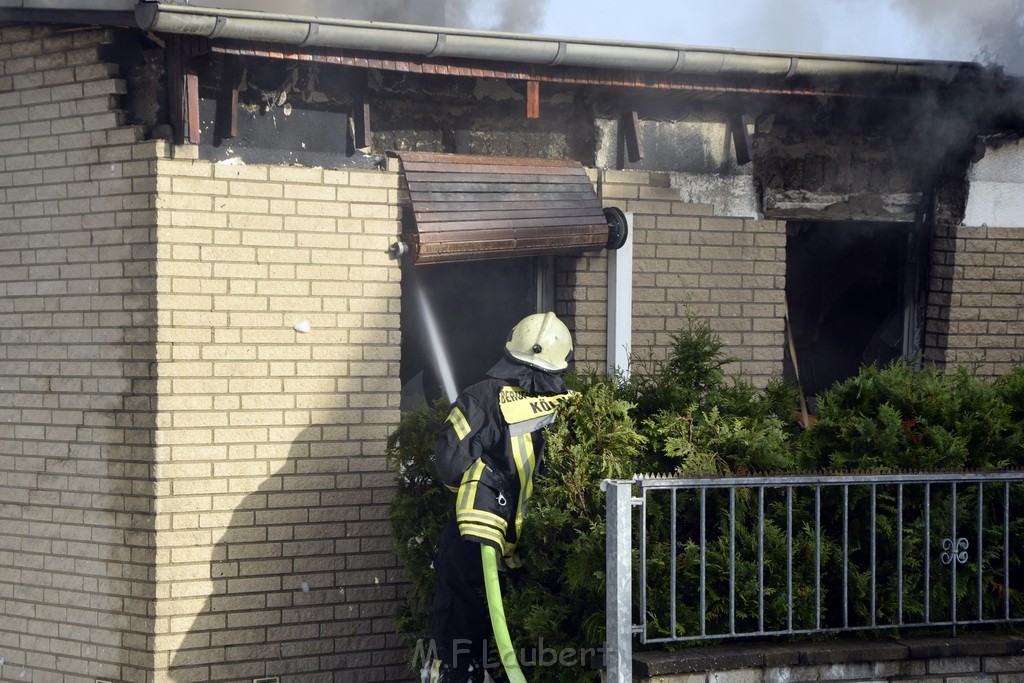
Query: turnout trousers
x=460, y=624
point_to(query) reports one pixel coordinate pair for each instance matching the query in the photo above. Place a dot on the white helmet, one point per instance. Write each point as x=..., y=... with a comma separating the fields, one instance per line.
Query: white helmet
x=542, y=341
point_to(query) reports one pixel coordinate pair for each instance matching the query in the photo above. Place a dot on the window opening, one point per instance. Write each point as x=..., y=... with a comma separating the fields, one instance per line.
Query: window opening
x=475, y=304
x=847, y=293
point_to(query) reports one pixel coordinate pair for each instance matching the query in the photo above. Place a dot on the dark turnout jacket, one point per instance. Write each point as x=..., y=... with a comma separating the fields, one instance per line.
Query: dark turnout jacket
x=490, y=448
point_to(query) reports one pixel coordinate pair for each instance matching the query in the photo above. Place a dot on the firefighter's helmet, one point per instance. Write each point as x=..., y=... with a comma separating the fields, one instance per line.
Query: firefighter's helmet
x=542, y=341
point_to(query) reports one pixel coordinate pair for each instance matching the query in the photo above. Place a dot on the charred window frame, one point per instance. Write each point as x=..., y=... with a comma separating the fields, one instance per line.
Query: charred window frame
x=276, y=111
x=856, y=294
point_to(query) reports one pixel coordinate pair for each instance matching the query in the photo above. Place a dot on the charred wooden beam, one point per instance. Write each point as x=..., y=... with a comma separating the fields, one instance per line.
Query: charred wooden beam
x=361, y=114
x=533, y=99
x=226, y=123
x=183, y=80
x=633, y=135
x=741, y=139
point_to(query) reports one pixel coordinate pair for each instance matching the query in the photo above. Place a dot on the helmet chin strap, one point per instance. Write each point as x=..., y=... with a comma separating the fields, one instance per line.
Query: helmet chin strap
x=506, y=652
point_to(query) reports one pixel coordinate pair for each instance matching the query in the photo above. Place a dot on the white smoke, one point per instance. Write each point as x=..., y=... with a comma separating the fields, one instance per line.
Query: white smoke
x=521, y=16
x=989, y=31
x=518, y=16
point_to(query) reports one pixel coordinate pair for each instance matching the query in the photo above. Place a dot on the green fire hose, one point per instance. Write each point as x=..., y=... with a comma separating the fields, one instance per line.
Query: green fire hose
x=497, y=610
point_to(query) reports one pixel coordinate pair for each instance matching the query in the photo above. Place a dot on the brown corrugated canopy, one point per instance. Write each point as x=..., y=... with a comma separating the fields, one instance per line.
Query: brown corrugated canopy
x=468, y=207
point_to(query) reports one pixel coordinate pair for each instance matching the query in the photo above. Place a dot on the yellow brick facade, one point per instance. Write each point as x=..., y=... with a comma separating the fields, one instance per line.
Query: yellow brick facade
x=194, y=490
x=77, y=371
x=272, y=543
x=191, y=489
x=731, y=271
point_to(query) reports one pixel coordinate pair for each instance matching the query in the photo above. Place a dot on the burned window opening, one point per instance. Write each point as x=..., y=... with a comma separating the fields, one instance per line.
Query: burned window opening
x=475, y=304
x=284, y=113
x=850, y=294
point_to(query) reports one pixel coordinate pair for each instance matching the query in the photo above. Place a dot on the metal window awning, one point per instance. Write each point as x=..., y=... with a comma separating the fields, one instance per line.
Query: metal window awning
x=467, y=207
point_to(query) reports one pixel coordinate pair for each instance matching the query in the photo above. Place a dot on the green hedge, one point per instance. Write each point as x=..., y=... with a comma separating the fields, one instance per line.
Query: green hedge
x=685, y=415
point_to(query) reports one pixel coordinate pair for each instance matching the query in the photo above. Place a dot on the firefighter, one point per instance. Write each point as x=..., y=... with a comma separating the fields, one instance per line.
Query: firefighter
x=487, y=453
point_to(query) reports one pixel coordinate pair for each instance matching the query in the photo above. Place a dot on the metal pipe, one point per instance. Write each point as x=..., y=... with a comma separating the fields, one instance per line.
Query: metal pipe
x=732, y=560
x=1006, y=550
x=846, y=555
x=430, y=41
x=789, y=558
x=817, y=557
x=672, y=564
x=760, y=559
x=703, y=557
x=619, y=583
x=927, y=552
x=643, y=561
x=899, y=554
x=980, y=549
x=954, y=550
x=874, y=549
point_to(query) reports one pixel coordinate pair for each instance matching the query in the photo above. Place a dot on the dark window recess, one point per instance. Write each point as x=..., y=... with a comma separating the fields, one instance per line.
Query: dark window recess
x=845, y=289
x=302, y=136
x=475, y=304
x=283, y=114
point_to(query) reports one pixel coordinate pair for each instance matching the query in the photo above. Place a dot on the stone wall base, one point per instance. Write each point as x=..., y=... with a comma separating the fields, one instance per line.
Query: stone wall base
x=974, y=659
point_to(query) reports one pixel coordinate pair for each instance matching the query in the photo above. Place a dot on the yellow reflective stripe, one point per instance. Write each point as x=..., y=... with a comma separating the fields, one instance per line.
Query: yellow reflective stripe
x=483, y=531
x=467, y=491
x=523, y=455
x=482, y=516
x=459, y=423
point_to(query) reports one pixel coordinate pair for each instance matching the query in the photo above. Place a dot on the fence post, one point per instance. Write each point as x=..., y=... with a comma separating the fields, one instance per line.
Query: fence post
x=618, y=580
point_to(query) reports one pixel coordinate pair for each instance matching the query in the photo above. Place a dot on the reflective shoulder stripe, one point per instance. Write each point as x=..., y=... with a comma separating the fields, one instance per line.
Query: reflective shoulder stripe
x=517, y=406
x=459, y=423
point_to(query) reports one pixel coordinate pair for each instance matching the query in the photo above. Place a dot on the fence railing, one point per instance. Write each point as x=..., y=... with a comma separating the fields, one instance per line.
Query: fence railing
x=742, y=557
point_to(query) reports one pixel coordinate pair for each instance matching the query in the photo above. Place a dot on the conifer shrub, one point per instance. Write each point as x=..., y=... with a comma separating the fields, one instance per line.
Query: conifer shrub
x=686, y=416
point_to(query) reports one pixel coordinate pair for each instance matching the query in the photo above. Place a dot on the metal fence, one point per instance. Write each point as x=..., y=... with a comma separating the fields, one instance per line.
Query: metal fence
x=723, y=558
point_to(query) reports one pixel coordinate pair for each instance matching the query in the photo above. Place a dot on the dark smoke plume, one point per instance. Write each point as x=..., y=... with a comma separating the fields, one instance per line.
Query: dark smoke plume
x=520, y=16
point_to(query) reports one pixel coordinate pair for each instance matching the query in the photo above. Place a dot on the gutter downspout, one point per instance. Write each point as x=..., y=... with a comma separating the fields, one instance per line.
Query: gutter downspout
x=429, y=41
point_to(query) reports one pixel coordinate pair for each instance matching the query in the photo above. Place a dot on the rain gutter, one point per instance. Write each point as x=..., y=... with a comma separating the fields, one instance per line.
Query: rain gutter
x=435, y=42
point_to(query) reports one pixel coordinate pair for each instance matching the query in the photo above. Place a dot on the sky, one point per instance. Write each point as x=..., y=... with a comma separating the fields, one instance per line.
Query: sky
x=983, y=30
x=865, y=28
x=991, y=31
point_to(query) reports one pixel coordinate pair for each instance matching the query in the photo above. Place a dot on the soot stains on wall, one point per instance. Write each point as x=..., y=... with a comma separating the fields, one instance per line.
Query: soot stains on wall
x=479, y=116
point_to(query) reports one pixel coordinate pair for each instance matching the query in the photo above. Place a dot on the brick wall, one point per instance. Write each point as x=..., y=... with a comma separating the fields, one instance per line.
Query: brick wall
x=974, y=309
x=77, y=322
x=273, y=540
x=686, y=260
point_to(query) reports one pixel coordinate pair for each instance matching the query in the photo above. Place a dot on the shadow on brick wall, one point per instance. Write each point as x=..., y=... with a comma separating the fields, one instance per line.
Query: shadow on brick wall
x=304, y=580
